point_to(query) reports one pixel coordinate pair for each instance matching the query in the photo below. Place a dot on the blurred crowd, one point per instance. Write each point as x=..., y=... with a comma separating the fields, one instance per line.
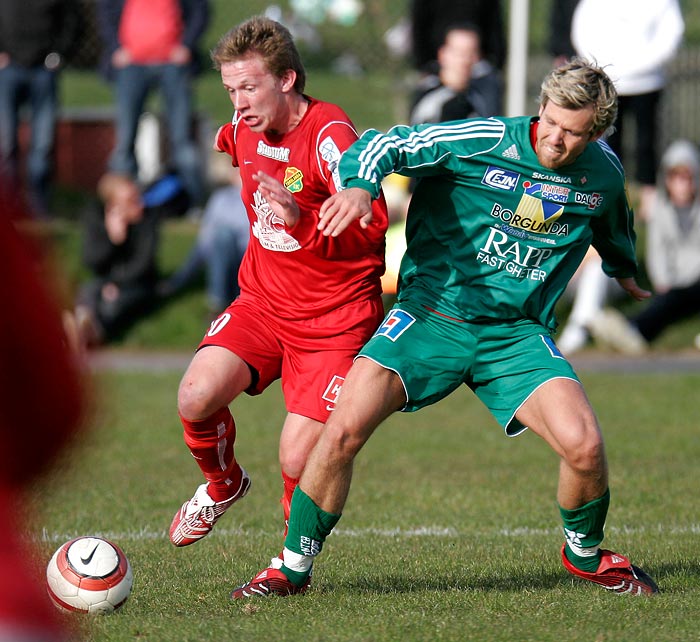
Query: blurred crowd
x=636, y=42
x=457, y=53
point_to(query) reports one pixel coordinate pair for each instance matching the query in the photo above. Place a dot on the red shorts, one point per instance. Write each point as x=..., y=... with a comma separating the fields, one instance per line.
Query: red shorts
x=311, y=356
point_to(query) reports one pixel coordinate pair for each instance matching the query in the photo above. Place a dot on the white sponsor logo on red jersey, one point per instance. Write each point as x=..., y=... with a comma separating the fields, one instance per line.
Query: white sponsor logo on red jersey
x=333, y=390
x=269, y=228
x=276, y=153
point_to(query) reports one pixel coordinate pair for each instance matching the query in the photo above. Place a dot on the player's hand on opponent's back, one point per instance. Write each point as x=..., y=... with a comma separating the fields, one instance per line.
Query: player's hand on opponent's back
x=342, y=208
x=630, y=285
x=280, y=199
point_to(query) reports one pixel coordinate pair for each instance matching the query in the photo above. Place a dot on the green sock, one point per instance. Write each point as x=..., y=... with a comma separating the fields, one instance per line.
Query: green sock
x=583, y=528
x=295, y=577
x=307, y=531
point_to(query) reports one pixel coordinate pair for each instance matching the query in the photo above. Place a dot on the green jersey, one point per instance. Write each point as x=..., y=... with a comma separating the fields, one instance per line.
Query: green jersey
x=492, y=234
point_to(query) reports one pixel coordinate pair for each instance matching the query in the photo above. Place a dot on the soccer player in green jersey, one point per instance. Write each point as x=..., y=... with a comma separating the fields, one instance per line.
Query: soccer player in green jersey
x=503, y=212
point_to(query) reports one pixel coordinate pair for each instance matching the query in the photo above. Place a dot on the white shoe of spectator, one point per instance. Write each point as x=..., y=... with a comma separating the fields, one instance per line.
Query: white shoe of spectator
x=611, y=329
x=573, y=338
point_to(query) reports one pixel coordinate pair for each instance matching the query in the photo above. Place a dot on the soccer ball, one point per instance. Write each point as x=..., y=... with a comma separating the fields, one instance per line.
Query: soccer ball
x=89, y=575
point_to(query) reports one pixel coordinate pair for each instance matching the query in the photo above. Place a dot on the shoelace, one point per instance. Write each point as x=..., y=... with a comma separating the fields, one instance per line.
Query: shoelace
x=206, y=514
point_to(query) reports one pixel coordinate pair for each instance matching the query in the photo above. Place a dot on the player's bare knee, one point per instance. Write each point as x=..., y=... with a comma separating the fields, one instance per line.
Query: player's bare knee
x=194, y=400
x=588, y=457
x=342, y=442
x=292, y=462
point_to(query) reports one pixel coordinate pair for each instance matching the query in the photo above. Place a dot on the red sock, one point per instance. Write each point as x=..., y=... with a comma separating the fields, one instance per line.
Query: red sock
x=211, y=441
x=289, y=485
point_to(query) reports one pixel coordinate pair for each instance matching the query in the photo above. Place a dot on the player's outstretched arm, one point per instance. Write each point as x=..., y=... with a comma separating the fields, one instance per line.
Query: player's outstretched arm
x=630, y=285
x=342, y=208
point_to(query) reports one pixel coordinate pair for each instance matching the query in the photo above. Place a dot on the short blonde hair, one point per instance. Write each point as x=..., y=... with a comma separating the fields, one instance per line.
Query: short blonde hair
x=579, y=83
x=266, y=38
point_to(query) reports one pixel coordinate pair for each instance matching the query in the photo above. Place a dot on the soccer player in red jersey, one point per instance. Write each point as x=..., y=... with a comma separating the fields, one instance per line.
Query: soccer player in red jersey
x=308, y=302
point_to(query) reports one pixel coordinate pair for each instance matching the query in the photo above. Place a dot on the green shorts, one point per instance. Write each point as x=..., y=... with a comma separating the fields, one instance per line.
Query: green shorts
x=502, y=363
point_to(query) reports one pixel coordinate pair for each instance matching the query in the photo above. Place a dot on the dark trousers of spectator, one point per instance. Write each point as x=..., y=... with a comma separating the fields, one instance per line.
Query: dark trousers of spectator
x=644, y=109
x=36, y=87
x=114, y=317
x=132, y=86
x=666, y=309
x=222, y=258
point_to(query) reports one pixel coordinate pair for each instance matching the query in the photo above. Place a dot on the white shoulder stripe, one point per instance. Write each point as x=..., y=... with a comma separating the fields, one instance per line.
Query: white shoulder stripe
x=612, y=157
x=484, y=126
x=427, y=137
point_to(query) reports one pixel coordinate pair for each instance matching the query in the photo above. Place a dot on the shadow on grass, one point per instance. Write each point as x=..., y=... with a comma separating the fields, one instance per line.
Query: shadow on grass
x=537, y=580
x=667, y=571
x=393, y=583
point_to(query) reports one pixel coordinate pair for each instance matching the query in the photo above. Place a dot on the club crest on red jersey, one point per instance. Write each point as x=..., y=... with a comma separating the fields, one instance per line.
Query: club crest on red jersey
x=293, y=179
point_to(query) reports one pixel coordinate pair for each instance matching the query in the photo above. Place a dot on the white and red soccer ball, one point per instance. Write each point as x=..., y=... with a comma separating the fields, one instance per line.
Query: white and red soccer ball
x=89, y=575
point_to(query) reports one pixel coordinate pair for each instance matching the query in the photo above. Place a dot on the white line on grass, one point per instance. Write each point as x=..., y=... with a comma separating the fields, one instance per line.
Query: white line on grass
x=144, y=534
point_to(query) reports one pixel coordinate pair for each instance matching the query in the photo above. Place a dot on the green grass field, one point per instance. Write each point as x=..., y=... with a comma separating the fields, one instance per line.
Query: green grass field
x=451, y=531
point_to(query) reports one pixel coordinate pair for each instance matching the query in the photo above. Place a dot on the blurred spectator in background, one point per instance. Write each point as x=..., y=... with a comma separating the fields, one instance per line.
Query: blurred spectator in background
x=221, y=242
x=560, y=46
x=672, y=256
x=430, y=20
x=590, y=288
x=119, y=246
x=42, y=406
x=35, y=38
x=397, y=192
x=151, y=43
x=633, y=40
x=464, y=84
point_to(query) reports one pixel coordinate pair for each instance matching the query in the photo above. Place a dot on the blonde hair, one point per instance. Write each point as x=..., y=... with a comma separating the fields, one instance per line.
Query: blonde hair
x=579, y=83
x=121, y=197
x=264, y=37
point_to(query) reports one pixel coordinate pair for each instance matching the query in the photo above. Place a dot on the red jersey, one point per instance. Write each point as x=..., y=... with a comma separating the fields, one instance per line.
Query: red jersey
x=299, y=273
